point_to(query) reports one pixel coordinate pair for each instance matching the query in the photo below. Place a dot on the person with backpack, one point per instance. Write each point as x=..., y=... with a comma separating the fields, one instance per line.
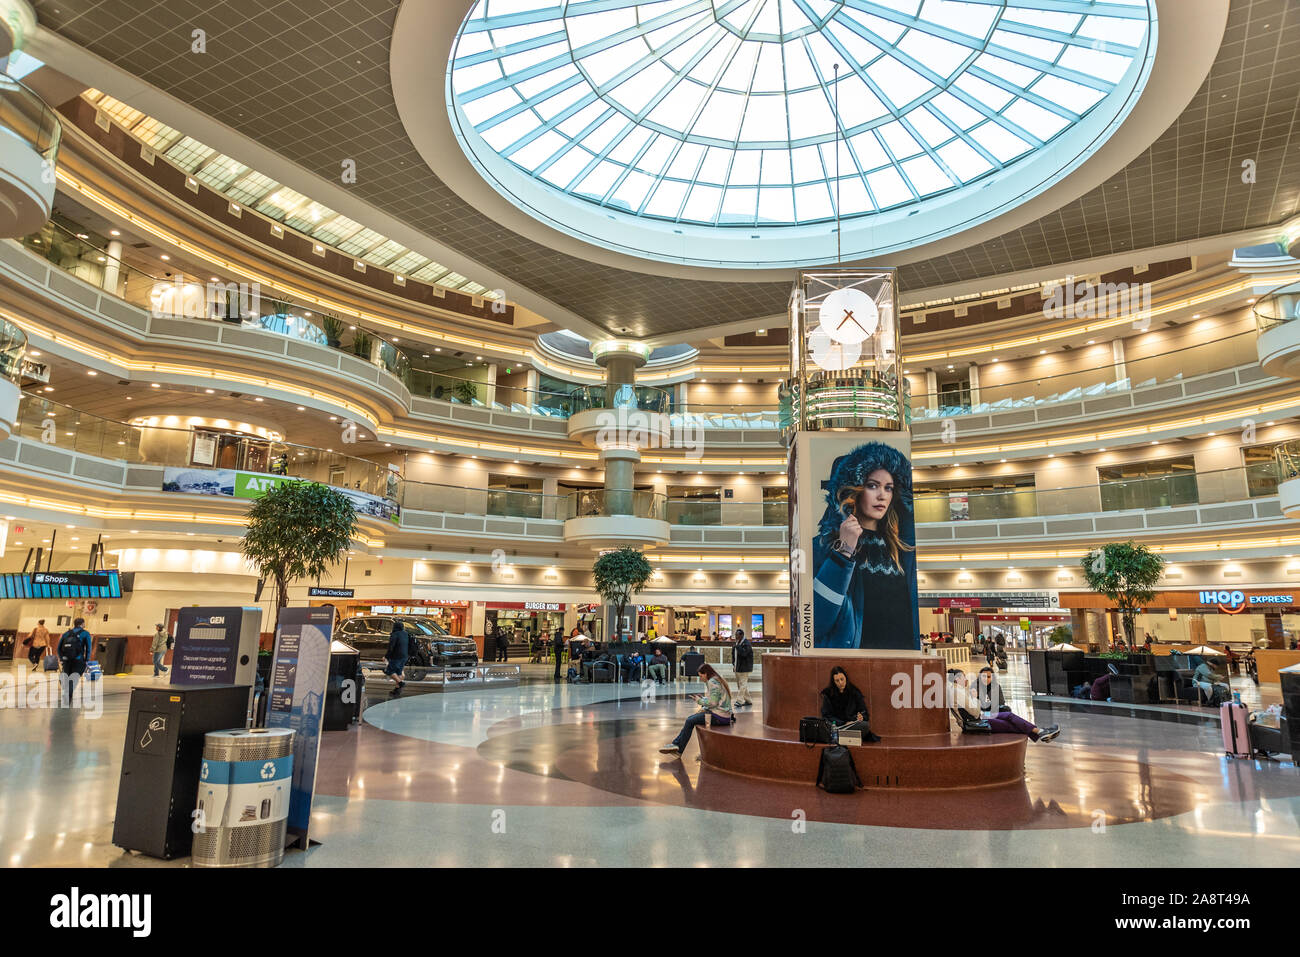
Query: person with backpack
x=158, y=648
x=714, y=707
x=399, y=649
x=742, y=660
x=74, y=653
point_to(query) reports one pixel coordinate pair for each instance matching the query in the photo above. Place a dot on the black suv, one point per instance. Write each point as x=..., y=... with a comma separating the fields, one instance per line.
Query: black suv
x=431, y=646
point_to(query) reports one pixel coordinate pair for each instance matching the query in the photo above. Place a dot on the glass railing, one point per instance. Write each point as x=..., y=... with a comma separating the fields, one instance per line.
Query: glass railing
x=51, y=423
x=696, y=512
x=27, y=116
x=645, y=398
x=77, y=254
x=1279, y=306
x=1286, y=459
x=588, y=503
x=13, y=346
x=1163, y=491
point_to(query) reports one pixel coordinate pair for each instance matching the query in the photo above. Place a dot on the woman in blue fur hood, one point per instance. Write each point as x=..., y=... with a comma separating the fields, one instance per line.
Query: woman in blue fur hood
x=865, y=586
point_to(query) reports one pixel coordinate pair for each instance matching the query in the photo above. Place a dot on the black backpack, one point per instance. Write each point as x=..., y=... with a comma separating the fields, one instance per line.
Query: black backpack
x=837, y=773
x=71, y=647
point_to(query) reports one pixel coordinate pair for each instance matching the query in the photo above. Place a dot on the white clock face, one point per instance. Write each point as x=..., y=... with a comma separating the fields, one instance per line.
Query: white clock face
x=833, y=356
x=848, y=316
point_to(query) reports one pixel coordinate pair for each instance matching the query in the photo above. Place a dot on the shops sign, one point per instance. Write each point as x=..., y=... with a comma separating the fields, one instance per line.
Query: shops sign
x=1235, y=602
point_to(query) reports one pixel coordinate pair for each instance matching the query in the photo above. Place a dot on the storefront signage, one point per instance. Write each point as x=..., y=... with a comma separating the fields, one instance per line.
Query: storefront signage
x=966, y=604
x=527, y=605
x=316, y=592
x=992, y=599
x=1235, y=602
x=91, y=579
x=254, y=485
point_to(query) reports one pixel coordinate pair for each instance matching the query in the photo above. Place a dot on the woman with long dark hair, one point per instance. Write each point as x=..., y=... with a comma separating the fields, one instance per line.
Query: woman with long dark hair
x=845, y=706
x=714, y=706
x=865, y=585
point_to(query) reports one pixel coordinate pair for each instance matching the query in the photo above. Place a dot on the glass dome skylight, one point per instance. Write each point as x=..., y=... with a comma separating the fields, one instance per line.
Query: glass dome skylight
x=722, y=112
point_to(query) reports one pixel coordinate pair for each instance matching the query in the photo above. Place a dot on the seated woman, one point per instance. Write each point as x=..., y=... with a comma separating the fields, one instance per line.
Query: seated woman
x=986, y=697
x=1207, y=680
x=844, y=706
x=715, y=705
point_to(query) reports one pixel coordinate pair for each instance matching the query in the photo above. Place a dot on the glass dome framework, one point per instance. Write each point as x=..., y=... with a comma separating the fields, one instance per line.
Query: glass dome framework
x=715, y=113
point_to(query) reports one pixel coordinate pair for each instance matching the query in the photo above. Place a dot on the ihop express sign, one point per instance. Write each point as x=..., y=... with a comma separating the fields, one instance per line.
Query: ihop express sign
x=1235, y=602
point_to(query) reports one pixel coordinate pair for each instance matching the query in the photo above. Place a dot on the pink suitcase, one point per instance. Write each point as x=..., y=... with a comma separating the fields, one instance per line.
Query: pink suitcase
x=1236, y=729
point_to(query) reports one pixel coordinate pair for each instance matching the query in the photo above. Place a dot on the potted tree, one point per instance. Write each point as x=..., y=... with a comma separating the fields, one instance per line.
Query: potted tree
x=1127, y=574
x=467, y=392
x=361, y=345
x=619, y=575
x=298, y=530
x=334, y=329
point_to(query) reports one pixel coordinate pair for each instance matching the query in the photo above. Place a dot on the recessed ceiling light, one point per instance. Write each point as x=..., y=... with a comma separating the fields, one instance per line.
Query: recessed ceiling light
x=257, y=398
x=154, y=385
x=437, y=349
x=165, y=256
x=49, y=388
x=33, y=353
x=301, y=408
x=91, y=372
x=210, y=391
x=213, y=279
x=115, y=232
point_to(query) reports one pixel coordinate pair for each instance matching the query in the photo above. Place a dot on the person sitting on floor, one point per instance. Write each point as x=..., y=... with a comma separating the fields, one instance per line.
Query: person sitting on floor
x=987, y=699
x=714, y=706
x=844, y=706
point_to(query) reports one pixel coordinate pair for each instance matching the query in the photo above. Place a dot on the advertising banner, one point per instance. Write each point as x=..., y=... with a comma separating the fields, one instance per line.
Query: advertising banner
x=254, y=485
x=213, y=645
x=299, y=674
x=852, y=543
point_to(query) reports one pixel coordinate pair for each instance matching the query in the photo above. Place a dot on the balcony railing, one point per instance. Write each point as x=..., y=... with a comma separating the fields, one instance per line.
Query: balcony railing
x=590, y=503
x=13, y=346
x=1279, y=306
x=26, y=115
x=77, y=254
x=640, y=397
x=51, y=423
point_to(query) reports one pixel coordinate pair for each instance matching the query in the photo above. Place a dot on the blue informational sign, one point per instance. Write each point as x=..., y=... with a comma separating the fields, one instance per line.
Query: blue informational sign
x=299, y=674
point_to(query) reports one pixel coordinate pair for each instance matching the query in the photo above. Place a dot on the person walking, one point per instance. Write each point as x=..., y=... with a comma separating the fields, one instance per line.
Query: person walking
x=742, y=659
x=158, y=648
x=399, y=649
x=503, y=645
x=38, y=644
x=74, y=652
x=557, y=645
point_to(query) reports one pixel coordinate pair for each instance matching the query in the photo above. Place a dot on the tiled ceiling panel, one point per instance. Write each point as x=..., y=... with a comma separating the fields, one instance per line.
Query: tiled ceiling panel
x=310, y=80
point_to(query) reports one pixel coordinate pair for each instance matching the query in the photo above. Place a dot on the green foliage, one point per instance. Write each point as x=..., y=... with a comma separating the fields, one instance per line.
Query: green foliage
x=361, y=344
x=1127, y=574
x=619, y=575
x=333, y=327
x=298, y=530
x=467, y=392
x=1059, y=635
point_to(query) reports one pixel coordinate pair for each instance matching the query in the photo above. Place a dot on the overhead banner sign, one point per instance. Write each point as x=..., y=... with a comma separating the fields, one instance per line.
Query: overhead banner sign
x=254, y=485
x=1235, y=602
x=299, y=674
x=991, y=599
x=88, y=579
x=316, y=591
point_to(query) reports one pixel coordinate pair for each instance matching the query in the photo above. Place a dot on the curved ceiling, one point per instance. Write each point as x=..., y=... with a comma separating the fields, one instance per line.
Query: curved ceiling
x=316, y=86
x=775, y=114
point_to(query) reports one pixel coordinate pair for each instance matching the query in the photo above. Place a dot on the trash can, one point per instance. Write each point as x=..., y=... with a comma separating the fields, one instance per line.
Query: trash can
x=244, y=786
x=112, y=655
x=343, y=691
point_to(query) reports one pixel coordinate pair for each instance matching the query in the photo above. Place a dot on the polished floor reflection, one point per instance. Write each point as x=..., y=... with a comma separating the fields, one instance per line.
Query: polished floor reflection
x=570, y=775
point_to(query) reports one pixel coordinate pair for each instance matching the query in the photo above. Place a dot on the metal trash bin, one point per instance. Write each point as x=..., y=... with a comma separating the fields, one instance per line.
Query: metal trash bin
x=244, y=786
x=112, y=656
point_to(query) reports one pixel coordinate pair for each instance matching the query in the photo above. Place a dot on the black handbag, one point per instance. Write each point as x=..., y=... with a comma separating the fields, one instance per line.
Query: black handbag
x=971, y=724
x=814, y=731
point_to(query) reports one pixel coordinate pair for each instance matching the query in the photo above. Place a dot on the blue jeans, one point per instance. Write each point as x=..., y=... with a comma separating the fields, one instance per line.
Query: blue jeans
x=684, y=736
x=158, y=665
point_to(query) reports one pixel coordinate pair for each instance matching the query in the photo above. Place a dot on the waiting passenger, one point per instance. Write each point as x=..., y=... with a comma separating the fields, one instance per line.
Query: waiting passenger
x=844, y=705
x=1207, y=681
x=714, y=705
x=659, y=666
x=988, y=700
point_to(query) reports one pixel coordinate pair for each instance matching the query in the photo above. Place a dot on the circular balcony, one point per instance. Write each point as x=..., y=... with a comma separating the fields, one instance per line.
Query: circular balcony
x=29, y=146
x=612, y=518
x=1287, y=457
x=13, y=346
x=633, y=417
x=1277, y=320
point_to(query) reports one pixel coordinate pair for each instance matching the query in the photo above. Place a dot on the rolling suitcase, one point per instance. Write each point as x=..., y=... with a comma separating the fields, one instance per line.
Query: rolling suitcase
x=1236, y=730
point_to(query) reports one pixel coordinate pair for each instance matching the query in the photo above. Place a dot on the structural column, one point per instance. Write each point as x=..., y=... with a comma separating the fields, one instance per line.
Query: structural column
x=974, y=384
x=619, y=453
x=113, y=267
x=1117, y=353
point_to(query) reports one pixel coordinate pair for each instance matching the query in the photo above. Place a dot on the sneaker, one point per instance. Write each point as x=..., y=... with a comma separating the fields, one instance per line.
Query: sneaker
x=671, y=749
x=1049, y=734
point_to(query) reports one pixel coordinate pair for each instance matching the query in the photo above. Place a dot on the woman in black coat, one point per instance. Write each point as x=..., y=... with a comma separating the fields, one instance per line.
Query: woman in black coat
x=844, y=705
